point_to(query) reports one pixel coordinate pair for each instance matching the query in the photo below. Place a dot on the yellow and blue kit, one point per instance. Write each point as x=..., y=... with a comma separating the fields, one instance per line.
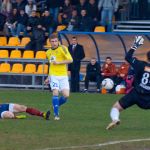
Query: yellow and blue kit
x=59, y=54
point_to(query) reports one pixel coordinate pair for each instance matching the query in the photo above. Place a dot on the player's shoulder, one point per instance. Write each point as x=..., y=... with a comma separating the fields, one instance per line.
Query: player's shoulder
x=141, y=61
x=63, y=48
x=79, y=45
x=48, y=51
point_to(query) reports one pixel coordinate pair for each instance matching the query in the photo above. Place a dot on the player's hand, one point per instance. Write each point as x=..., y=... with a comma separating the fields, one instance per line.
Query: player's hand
x=106, y=65
x=56, y=62
x=122, y=75
x=138, y=41
x=46, y=81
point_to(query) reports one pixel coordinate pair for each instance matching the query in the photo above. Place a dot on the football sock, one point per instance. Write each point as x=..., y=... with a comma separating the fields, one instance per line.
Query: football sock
x=33, y=111
x=62, y=100
x=114, y=114
x=55, y=102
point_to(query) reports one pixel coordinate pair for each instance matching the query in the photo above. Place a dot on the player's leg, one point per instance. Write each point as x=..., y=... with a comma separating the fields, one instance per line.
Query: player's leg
x=16, y=108
x=65, y=89
x=114, y=114
x=54, y=83
x=125, y=102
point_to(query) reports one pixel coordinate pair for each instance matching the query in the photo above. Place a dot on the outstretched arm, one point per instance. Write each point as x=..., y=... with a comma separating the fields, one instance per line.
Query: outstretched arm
x=138, y=41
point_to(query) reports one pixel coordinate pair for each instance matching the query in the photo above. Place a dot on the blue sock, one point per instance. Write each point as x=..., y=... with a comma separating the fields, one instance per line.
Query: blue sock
x=55, y=102
x=62, y=100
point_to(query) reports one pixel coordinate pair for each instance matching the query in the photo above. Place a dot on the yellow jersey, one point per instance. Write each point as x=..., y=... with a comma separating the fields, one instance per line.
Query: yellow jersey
x=61, y=53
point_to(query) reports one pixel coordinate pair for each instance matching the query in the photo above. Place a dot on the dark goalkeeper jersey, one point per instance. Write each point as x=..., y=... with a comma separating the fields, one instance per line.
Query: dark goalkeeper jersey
x=142, y=73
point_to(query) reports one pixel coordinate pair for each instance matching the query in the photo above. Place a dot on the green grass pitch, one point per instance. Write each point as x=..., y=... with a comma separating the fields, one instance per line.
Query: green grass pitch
x=83, y=122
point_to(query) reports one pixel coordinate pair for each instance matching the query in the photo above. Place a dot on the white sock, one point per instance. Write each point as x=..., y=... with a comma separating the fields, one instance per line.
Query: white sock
x=114, y=114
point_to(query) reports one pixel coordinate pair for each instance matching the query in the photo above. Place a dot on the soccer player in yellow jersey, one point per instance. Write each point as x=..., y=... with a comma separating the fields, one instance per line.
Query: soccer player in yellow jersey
x=58, y=56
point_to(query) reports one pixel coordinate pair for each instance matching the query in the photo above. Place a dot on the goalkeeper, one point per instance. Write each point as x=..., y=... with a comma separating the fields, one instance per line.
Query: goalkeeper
x=10, y=110
x=140, y=94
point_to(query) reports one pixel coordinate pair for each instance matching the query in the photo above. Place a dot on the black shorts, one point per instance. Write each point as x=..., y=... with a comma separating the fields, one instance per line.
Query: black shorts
x=142, y=100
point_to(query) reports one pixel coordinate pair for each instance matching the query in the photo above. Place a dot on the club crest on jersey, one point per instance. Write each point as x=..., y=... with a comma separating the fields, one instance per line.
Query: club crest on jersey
x=52, y=59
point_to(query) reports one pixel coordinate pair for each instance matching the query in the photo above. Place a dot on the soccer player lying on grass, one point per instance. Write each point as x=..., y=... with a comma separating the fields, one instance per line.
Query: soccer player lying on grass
x=10, y=110
x=140, y=94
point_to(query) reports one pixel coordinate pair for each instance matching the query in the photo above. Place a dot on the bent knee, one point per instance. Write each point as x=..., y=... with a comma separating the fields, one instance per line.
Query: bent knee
x=118, y=106
x=66, y=95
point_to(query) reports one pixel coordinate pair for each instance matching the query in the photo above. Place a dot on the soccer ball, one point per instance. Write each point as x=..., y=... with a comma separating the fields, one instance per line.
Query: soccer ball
x=120, y=89
x=108, y=84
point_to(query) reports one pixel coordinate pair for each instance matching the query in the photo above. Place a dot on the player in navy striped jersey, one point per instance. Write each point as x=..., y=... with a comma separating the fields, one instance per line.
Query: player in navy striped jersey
x=140, y=94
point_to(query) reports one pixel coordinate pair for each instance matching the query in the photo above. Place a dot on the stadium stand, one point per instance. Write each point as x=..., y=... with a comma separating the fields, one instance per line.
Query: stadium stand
x=42, y=69
x=40, y=55
x=30, y=68
x=17, y=68
x=99, y=29
x=28, y=54
x=4, y=54
x=13, y=41
x=48, y=44
x=15, y=54
x=3, y=41
x=24, y=41
x=60, y=28
x=4, y=67
x=132, y=26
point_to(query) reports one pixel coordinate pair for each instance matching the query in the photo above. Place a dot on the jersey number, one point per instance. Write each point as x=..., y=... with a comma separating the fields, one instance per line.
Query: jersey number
x=145, y=78
x=54, y=84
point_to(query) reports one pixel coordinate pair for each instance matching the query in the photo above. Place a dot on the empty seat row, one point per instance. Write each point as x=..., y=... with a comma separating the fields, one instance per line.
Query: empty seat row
x=28, y=69
x=15, y=41
x=28, y=54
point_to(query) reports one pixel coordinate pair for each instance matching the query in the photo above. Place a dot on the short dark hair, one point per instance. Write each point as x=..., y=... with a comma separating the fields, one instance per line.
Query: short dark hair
x=148, y=55
x=93, y=58
x=109, y=58
x=74, y=37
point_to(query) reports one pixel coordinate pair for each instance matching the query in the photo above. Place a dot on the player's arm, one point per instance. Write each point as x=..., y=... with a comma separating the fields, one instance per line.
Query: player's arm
x=129, y=56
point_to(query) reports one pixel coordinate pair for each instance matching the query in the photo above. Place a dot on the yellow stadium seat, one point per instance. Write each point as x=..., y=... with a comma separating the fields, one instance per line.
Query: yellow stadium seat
x=28, y=54
x=40, y=55
x=5, y=67
x=3, y=41
x=13, y=41
x=30, y=68
x=15, y=54
x=42, y=69
x=48, y=44
x=60, y=27
x=17, y=68
x=24, y=41
x=4, y=54
x=99, y=29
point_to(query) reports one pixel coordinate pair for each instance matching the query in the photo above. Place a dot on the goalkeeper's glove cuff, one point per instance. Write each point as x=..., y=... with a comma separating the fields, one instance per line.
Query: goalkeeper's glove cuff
x=134, y=47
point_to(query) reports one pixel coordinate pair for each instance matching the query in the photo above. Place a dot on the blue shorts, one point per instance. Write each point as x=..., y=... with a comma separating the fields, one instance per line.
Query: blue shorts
x=3, y=107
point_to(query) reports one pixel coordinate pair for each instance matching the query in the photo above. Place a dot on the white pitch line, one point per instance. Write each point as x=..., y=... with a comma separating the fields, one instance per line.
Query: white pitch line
x=97, y=145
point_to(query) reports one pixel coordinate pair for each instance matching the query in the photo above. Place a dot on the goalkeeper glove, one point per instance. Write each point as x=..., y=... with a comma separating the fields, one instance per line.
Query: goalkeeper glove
x=138, y=41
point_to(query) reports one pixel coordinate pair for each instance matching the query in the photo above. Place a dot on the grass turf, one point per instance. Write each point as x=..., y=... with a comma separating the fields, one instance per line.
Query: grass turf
x=83, y=122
